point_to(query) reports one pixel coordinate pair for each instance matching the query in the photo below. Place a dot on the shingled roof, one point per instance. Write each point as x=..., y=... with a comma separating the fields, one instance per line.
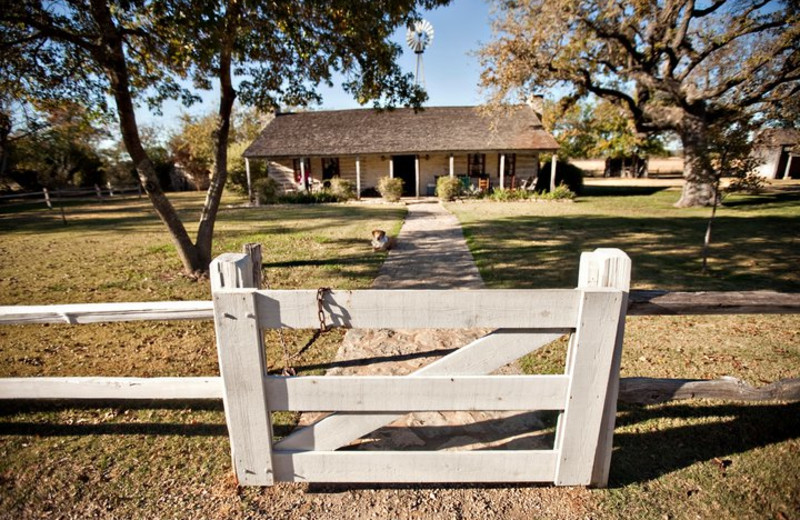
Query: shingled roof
x=401, y=131
x=777, y=137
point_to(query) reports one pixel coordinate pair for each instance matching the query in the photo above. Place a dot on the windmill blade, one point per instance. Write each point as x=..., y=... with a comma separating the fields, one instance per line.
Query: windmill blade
x=419, y=35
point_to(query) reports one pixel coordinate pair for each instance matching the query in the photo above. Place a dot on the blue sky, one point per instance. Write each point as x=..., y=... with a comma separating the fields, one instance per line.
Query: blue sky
x=452, y=71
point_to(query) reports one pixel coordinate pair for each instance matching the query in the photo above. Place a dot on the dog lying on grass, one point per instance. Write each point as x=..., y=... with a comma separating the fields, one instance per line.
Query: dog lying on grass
x=381, y=242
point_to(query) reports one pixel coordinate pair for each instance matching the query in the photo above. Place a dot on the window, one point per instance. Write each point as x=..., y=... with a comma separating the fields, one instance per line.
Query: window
x=330, y=168
x=510, y=165
x=476, y=164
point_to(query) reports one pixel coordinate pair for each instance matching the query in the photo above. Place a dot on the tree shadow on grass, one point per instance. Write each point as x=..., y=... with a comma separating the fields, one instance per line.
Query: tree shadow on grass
x=532, y=251
x=648, y=455
x=619, y=191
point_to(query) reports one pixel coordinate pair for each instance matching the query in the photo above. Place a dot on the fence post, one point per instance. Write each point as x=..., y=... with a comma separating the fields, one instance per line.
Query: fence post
x=110, y=189
x=253, y=250
x=242, y=363
x=607, y=267
x=585, y=434
x=98, y=192
x=47, y=198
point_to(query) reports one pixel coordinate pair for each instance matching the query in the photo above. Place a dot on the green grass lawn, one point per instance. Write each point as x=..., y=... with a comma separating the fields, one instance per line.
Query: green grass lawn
x=699, y=459
x=755, y=244
x=113, y=462
x=680, y=460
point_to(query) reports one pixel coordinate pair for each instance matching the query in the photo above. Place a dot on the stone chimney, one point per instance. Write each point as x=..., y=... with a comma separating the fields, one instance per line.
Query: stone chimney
x=536, y=102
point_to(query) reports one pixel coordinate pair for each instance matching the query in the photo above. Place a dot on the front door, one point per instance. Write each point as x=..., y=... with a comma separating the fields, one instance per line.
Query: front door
x=404, y=168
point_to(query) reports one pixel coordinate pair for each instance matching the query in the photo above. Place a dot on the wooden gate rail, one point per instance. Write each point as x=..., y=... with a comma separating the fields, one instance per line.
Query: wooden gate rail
x=640, y=303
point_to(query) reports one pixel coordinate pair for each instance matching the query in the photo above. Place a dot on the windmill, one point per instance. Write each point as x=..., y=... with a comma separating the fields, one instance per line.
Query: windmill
x=419, y=36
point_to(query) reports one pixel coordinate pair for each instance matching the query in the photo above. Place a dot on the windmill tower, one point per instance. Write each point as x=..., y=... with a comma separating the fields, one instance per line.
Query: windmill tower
x=419, y=36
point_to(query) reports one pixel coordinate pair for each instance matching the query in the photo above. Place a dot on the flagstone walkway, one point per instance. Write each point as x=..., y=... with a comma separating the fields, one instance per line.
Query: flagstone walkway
x=430, y=253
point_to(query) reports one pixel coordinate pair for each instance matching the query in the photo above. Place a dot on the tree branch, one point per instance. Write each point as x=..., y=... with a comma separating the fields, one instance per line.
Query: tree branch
x=698, y=58
x=699, y=13
x=48, y=28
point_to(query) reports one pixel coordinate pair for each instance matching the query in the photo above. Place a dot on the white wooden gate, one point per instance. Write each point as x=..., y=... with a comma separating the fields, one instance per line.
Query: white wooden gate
x=525, y=320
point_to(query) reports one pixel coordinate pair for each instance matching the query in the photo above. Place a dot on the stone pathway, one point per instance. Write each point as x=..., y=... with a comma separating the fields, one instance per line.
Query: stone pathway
x=430, y=253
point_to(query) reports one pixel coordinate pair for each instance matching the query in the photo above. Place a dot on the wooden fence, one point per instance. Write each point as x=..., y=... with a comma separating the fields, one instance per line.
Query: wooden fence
x=47, y=197
x=525, y=320
x=594, y=315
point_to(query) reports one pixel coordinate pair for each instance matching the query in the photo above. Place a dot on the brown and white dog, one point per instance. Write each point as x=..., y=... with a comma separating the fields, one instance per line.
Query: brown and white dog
x=380, y=242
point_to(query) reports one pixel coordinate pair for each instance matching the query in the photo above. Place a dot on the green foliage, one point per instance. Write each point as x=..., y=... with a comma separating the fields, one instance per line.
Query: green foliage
x=562, y=192
x=266, y=190
x=448, y=188
x=566, y=173
x=509, y=195
x=390, y=189
x=747, y=182
x=342, y=189
x=599, y=128
x=308, y=197
x=59, y=148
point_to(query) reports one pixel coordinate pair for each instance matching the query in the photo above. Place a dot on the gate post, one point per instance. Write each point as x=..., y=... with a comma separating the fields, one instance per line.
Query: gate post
x=242, y=364
x=607, y=267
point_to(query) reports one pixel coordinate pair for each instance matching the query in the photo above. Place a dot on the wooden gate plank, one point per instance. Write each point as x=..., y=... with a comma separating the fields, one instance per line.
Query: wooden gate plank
x=589, y=369
x=242, y=365
x=608, y=268
x=479, y=357
x=429, y=393
x=416, y=466
x=421, y=309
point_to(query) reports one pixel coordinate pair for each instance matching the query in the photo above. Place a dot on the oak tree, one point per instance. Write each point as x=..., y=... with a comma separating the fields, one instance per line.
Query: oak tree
x=137, y=50
x=678, y=65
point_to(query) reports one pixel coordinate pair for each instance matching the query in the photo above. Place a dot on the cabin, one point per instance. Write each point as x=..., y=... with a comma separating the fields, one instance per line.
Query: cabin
x=778, y=152
x=304, y=150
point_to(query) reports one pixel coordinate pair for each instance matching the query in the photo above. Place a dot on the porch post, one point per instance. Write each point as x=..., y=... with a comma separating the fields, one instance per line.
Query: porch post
x=249, y=185
x=391, y=167
x=553, y=164
x=502, y=171
x=358, y=177
x=416, y=173
x=303, y=174
x=788, y=166
x=452, y=174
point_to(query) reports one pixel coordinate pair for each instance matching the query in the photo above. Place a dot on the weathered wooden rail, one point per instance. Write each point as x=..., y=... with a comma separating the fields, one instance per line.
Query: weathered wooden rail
x=640, y=303
x=526, y=320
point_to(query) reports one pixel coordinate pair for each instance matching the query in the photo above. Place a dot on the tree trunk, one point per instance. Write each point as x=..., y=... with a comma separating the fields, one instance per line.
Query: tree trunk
x=5, y=131
x=112, y=57
x=205, y=230
x=698, y=186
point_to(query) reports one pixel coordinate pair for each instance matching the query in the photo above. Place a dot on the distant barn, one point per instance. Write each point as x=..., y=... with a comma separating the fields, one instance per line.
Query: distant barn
x=304, y=150
x=778, y=150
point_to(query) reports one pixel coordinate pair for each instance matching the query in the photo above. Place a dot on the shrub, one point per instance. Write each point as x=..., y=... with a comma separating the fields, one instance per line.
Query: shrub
x=266, y=190
x=306, y=197
x=562, y=192
x=566, y=173
x=749, y=182
x=508, y=195
x=448, y=188
x=390, y=189
x=342, y=189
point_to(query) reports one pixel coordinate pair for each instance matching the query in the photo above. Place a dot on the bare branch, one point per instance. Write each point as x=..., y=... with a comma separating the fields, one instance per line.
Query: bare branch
x=699, y=13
